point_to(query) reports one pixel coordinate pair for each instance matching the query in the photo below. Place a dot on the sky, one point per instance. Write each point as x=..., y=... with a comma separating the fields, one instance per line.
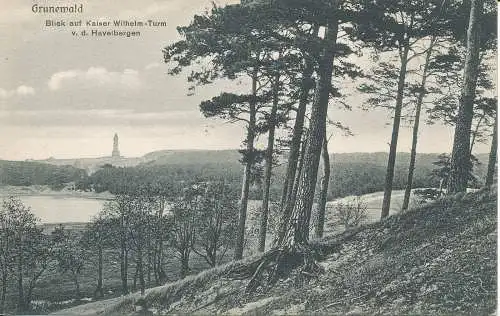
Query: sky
x=65, y=96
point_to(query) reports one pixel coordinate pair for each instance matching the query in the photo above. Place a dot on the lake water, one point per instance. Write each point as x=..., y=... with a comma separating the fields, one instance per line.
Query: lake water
x=60, y=209
x=69, y=209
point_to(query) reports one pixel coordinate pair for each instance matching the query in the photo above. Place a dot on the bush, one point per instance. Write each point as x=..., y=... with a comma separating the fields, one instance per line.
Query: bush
x=427, y=195
x=352, y=212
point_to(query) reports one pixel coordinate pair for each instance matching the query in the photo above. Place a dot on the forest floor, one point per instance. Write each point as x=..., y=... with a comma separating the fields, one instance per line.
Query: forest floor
x=439, y=258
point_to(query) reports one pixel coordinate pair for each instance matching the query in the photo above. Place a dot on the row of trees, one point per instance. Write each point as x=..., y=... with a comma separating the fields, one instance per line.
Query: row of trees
x=294, y=56
x=25, y=252
x=351, y=173
x=138, y=229
x=25, y=173
x=147, y=225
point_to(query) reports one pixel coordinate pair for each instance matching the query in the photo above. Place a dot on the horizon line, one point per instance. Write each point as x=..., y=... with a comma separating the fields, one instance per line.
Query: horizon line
x=208, y=150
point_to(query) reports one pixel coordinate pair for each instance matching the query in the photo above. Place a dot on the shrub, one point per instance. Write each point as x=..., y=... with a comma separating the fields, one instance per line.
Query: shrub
x=352, y=212
x=427, y=195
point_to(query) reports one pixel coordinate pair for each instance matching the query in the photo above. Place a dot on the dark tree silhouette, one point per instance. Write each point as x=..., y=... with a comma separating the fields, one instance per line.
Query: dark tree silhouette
x=460, y=157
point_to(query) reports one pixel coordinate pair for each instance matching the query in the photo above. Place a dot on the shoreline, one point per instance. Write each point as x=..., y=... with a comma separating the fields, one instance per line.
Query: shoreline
x=42, y=190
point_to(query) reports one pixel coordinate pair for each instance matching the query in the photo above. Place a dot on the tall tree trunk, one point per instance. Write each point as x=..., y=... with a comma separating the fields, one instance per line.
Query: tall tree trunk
x=159, y=273
x=20, y=289
x=460, y=157
x=302, y=211
x=240, y=238
x=212, y=257
x=136, y=275
x=286, y=216
x=123, y=257
x=4, y=290
x=269, y=166
x=149, y=261
x=298, y=174
x=155, y=267
x=99, y=290
x=389, y=176
x=125, y=273
x=77, y=285
x=420, y=100
x=475, y=133
x=28, y=298
x=287, y=199
x=5, y=244
x=323, y=195
x=184, y=264
x=493, y=154
x=140, y=267
x=298, y=128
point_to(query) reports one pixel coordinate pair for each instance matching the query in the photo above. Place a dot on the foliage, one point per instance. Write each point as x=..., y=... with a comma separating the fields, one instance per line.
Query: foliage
x=183, y=224
x=69, y=253
x=163, y=179
x=351, y=213
x=351, y=174
x=215, y=221
x=448, y=73
x=426, y=195
x=442, y=170
x=25, y=173
x=26, y=252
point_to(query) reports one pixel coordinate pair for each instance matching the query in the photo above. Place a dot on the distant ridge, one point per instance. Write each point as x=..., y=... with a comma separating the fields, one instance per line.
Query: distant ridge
x=168, y=156
x=93, y=164
x=230, y=156
x=192, y=156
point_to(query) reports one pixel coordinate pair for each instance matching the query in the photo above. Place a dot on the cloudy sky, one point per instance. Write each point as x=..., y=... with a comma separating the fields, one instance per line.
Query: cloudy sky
x=65, y=96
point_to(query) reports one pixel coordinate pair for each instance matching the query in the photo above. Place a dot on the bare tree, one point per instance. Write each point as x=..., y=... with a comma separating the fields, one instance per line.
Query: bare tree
x=215, y=222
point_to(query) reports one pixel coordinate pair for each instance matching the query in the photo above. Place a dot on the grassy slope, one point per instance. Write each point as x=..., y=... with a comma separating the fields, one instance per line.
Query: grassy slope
x=437, y=259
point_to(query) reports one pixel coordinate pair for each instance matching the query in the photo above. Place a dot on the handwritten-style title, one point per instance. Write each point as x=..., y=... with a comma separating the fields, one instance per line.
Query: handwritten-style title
x=47, y=9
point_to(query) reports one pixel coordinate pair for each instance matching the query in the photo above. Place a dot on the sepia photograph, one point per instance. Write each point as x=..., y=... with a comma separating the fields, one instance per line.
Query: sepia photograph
x=253, y=157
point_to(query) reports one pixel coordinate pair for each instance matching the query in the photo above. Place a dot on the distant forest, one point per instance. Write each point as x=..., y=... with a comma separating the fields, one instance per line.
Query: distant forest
x=26, y=173
x=351, y=173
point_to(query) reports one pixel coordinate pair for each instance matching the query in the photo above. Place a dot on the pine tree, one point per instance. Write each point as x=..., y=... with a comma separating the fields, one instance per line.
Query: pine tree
x=399, y=25
x=460, y=158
